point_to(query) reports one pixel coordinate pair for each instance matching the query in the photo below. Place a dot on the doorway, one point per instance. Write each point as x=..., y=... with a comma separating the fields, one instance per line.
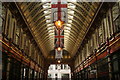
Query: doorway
x=59, y=72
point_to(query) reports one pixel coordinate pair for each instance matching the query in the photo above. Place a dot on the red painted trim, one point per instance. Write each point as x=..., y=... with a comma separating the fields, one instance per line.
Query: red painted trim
x=104, y=54
x=61, y=5
x=15, y=55
x=59, y=36
x=115, y=45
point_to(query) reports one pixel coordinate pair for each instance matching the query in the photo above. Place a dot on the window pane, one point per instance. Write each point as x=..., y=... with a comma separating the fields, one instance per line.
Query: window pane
x=116, y=18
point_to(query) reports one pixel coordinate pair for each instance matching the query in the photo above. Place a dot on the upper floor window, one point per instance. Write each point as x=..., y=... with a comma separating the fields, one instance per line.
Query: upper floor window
x=7, y=24
x=17, y=35
x=116, y=17
x=26, y=45
x=2, y=16
x=100, y=34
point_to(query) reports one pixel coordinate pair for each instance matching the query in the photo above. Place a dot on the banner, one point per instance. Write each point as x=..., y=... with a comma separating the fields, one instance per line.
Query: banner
x=59, y=10
x=58, y=54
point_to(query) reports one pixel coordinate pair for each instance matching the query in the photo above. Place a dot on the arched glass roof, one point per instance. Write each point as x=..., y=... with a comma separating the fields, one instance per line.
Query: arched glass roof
x=38, y=18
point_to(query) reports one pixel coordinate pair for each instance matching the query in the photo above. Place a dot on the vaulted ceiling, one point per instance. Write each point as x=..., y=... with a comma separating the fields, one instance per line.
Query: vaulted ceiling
x=38, y=15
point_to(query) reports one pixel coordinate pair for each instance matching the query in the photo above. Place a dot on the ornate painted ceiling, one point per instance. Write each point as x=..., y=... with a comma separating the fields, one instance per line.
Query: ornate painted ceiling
x=38, y=17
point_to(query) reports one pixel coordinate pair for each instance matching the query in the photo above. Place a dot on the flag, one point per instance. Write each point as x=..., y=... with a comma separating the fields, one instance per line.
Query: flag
x=59, y=10
x=58, y=54
x=57, y=37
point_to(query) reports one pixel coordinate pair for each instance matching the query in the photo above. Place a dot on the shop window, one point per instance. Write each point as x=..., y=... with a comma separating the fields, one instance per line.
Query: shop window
x=115, y=63
x=103, y=68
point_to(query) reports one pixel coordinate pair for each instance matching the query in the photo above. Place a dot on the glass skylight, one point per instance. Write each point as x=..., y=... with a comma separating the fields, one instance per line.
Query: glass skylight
x=71, y=0
x=45, y=12
x=51, y=31
x=49, y=25
x=47, y=16
x=71, y=12
x=48, y=21
x=50, y=28
x=71, y=17
x=50, y=0
x=68, y=31
x=68, y=28
x=69, y=21
x=70, y=5
x=51, y=34
x=68, y=25
x=45, y=0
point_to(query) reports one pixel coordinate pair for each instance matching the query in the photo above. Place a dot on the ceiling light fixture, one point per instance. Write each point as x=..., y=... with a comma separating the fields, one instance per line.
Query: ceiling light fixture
x=59, y=48
x=59, y=24
x=59, y=61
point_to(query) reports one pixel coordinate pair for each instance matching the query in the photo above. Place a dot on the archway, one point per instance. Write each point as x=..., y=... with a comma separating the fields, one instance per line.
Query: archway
x=59, y=71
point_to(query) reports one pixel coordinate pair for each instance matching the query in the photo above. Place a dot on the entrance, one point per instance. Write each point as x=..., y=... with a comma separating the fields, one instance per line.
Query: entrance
x=59, y=72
